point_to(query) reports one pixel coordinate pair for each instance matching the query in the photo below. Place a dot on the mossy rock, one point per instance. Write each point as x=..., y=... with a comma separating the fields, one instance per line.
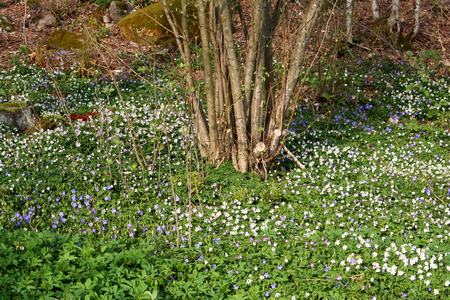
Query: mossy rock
x=6, y=24
x=63, y=39
x=19, y=115
x=34, y=4
x=149, y=25
x=13, y=106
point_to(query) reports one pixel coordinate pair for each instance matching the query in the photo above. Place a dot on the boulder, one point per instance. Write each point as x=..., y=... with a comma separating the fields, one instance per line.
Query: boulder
x=44, y=19
x=118, y=9
x=19, y=115
x=63, y=39
x=6, y=24
x=149, y=25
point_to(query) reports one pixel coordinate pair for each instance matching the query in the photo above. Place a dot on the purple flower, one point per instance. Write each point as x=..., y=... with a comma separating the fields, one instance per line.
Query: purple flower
x=267, y=294
x=266, y=275
x=427, y=192
x=27, y=218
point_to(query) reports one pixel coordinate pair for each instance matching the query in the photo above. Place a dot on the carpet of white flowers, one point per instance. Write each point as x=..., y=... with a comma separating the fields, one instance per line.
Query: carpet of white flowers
x=100, y=208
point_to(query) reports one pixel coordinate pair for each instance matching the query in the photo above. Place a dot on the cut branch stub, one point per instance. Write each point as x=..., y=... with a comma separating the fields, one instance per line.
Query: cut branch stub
x=259, y=150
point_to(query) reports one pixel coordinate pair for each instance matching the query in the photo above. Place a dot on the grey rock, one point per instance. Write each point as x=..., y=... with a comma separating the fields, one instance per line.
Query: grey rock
x=118, y=9
x=20, y=116
x=44, y=20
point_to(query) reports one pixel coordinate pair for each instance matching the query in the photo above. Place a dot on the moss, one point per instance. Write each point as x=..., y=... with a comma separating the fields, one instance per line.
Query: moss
x=63, y=39
x=150, y=26
x=12, y=107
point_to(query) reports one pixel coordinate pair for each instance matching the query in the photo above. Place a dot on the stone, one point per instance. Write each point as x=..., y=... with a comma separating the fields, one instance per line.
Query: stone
x=63, y=39
x=118, y=9
x=19, y=115
x=149, y=25
x=44, y=20
x=6, y=24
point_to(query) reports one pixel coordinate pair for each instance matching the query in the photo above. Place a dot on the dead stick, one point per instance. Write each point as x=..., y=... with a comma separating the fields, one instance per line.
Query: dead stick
x=292, y=156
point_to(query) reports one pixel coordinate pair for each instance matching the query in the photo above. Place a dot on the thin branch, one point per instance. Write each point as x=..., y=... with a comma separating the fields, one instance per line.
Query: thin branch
x=293, y=157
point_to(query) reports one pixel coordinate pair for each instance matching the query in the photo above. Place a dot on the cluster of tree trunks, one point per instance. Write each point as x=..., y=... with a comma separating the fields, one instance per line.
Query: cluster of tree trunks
x=246, y=108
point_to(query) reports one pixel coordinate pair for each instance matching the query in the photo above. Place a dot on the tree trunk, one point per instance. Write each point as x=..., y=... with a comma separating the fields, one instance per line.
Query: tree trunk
x=348, y=23
x=375, y=11
x=394, y=21
x=242, y=153
x=416, y=19
x=246, y=117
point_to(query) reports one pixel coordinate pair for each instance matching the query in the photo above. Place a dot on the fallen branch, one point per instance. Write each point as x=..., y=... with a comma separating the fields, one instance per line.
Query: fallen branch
x=292, y=156
x=360, y=46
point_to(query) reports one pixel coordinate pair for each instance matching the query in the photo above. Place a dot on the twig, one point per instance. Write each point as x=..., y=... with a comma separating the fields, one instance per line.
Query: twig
x=292, y=156
x=360, y=46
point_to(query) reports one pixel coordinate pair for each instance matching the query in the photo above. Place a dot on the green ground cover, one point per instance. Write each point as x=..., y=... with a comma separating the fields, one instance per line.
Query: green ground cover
x=99, y=208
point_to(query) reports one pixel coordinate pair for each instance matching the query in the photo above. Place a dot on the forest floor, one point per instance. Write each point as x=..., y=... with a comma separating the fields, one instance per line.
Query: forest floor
x=110, y=200
x=368, y=217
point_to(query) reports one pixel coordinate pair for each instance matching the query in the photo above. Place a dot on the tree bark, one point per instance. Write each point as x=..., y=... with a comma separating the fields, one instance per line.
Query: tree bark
x=394, y=20
x=375, y=11
x=242, y=153
x=209, y=84
x=416, y=19
x=348, y=23
x=280, y=106
x=246, y=118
